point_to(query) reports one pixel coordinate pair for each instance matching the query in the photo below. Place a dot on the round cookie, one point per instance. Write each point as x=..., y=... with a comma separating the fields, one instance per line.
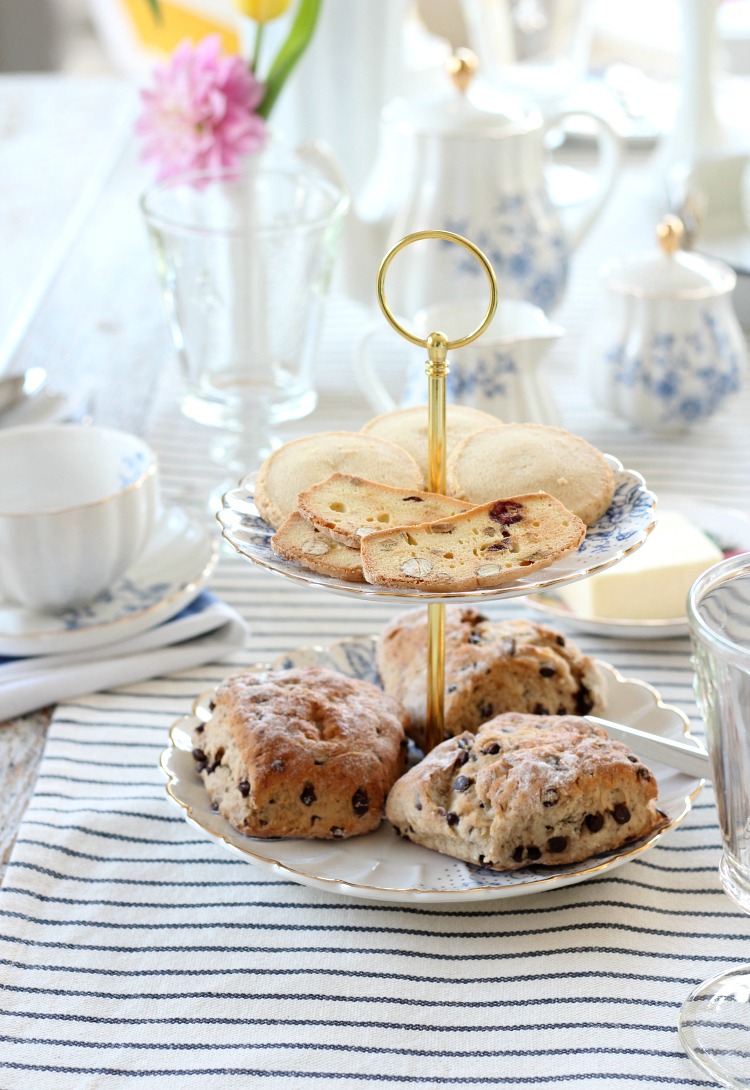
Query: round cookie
x=408, y=428
x=300, y=753
x=304, y=462
x=512, y=459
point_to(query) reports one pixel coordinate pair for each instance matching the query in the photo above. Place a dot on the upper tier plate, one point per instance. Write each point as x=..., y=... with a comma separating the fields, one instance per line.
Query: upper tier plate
x=624, y=527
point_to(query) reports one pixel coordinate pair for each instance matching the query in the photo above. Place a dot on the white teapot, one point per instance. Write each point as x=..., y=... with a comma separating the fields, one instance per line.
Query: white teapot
x=470, y=161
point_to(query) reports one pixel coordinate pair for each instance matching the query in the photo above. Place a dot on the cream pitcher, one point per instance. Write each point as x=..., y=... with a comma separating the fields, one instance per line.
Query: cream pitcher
x=474, y=162
x=499, y=373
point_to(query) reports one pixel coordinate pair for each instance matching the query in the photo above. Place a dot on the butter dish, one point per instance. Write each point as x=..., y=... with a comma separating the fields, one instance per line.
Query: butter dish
x=728, y=529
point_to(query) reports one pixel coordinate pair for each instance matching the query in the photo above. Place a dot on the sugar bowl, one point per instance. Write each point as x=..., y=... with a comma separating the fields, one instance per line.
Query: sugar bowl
x=668, y=349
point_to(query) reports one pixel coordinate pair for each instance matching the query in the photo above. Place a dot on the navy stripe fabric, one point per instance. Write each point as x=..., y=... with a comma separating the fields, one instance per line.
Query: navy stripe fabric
x=136, y=951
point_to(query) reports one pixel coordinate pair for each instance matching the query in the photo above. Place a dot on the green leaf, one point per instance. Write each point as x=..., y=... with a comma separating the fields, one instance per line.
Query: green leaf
x=300, y=33
x=155, y=9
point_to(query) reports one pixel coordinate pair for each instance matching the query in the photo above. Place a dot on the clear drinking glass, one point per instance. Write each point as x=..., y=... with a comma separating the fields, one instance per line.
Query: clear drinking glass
x=245, y=260
x=714, y=1023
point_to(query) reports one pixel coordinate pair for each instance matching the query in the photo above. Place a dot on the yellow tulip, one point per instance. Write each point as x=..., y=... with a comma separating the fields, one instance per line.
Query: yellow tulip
x=262, y=11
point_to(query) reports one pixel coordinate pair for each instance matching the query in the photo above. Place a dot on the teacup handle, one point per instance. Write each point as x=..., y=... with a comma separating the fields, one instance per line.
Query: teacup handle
x=610, y=147
x=368, y=379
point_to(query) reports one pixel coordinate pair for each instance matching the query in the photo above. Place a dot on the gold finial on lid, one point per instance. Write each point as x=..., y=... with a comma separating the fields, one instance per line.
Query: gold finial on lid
x=670, y=234
x=461, y=67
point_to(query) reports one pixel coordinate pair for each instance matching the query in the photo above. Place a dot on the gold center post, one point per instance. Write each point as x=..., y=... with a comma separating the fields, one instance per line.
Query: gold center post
x=437, y=368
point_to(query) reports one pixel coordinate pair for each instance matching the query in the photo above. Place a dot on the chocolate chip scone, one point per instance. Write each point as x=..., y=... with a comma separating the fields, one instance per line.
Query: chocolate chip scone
x=300, y=753
x=490, y=667
x=526, y=790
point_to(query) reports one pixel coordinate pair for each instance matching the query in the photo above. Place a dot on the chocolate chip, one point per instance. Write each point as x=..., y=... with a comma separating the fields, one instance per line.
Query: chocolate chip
x=452, y=689
x=462, y=743
x=532, y=852
x=451, y=818
x=547, y=671
x=632, y=758
x=461, y=758
x=492, y=749
x=199, y=729
x=308, y=796
x=481, y=860
x=506, y=512
x=215, y=807
x=557, y=843
x=417, y=803
x=550, y=797
x=486, y=709
x=594, y=822
x=244, y=788
x=643, y=773
x=199, y=755
x=518, y=854
x=360, y=802
x=277, y=765
x=212, y=767
x=474, y=637
x=621, y=814
x=560, y=641
x=336, y=832
x=584, y=703
x=319, y=761
x=461, y=783
x=562, y=710
x=539, y=709
x=211, y=704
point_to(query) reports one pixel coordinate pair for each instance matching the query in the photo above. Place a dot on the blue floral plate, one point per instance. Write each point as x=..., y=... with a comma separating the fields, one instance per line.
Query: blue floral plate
x=625, y=526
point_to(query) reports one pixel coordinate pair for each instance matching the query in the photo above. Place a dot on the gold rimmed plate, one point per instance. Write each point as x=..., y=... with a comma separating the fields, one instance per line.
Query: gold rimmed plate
x=623, y=528
x=382, y=866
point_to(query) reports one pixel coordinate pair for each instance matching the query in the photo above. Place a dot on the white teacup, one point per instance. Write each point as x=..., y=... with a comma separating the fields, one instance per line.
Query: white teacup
x=77, y=506
x=497, y=373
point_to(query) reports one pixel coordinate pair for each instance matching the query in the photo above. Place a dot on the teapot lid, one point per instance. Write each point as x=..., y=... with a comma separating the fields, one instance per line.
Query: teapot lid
x=669, y=272
x=464, y=107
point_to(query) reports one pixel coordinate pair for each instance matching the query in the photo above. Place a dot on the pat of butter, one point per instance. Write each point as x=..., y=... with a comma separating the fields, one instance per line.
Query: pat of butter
x=652, y=583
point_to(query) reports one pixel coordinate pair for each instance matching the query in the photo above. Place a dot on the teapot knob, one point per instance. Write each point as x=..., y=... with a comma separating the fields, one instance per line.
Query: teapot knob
x=670, y=234
x=462, y=67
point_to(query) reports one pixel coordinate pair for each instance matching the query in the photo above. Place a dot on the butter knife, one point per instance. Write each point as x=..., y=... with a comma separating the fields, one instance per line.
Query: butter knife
x=684, y=756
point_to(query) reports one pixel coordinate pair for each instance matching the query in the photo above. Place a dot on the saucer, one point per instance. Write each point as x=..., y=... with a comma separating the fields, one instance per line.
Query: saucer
x=728, y=528
x=165, y=578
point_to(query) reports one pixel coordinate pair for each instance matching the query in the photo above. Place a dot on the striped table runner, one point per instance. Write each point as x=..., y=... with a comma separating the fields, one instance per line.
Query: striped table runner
x=134, y=951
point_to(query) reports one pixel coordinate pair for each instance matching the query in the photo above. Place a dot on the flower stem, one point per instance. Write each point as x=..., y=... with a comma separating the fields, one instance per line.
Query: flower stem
x=256, y=50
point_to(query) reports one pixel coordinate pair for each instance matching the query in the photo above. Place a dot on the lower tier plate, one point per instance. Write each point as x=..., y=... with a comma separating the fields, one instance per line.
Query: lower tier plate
x=380, y=865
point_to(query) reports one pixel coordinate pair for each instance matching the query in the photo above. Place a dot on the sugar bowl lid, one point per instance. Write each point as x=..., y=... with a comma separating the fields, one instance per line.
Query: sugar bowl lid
x=669, y=272
x=464, y=107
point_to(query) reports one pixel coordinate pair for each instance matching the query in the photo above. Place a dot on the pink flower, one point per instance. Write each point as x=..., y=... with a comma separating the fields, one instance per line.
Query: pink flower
x=200, y=113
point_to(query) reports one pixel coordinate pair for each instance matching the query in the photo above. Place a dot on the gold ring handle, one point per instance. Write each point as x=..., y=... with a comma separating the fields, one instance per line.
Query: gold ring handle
x=446, y=236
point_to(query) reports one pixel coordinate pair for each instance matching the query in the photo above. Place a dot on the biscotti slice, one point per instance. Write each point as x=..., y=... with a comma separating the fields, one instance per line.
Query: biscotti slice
x=408, y=428
x=527, y=790
x=490, y=667
x=301, y=542
x=306, y=753
x=515, y=458
x=347, y=508
x=303, y=462
x=484, y=547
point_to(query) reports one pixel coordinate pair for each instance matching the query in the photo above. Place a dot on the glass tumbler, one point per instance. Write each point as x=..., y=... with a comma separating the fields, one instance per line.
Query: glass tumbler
x=714, y=1023
x=245, y=260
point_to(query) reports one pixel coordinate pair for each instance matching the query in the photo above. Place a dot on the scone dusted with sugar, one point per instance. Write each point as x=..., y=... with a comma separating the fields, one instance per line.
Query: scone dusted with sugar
x=486, y=546
x=300, y=753
x=527, y=790
x=490, y=667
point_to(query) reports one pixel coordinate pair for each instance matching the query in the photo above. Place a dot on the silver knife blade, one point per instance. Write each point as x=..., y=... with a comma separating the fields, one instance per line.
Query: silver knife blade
x=684, y=756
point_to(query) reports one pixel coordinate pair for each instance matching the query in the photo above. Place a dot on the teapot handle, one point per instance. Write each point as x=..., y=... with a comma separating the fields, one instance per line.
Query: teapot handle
x=610, y=147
